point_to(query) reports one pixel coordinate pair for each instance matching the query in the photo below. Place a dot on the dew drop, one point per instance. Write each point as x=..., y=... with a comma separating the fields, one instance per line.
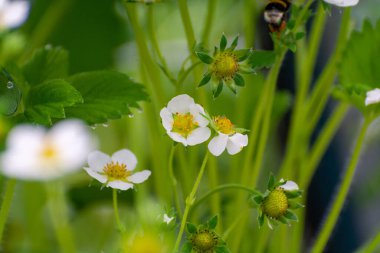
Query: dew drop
x=10, y=85
x=105, y=125
x=131, y=115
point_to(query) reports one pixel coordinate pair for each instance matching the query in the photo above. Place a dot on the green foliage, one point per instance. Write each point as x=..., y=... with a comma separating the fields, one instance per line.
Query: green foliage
x=359, y=68
x=261, y=59
x=49, y=94
x=10, y=94
x=46, y=63
x=106, y=95
x=48, y=100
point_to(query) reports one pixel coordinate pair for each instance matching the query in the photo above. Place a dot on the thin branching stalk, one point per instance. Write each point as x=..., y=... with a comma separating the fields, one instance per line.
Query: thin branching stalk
x=6, y=205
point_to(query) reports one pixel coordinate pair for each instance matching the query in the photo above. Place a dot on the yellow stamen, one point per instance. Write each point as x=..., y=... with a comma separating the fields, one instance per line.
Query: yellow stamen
x=116, y=171
x=225, y=66
x=184, y=124
x=224, y=125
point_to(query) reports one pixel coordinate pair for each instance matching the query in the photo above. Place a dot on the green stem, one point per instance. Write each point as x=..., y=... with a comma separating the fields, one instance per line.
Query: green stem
x=250, y=16
x=320, y=93
x=6, y=205
x=333, y=215
x=58, y=211
x=372, y=246
x=214, y=182
x=156, y=47
x=208, y=23
x=116, y=211
x=322, y=143
x=305, y=66
x=174, y=180
x=223, y=188
x=190, y=201
x=185, y=15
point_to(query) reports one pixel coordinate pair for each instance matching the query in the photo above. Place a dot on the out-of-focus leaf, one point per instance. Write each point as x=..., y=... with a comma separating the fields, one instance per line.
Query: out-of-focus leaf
x=106, y=95
x=46, y=63
x=47, y=101
x=261, y=59
x=10, y=94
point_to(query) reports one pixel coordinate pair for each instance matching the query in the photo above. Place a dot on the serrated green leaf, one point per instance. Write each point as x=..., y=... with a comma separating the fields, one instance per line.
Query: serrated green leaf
x=223, y=43
x=291, y=216
x=48, y=100
x=353, y=94
x=204, y=57
x=213, y=222
x=239, y=80
x=206, y=78
x=261, y=59
x=46, y=63
x=106, y=95
x=191, y=228
x=360, y=63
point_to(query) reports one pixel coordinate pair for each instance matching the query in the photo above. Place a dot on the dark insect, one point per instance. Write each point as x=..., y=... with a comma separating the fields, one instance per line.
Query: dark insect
x=10, y=94
x=276, y=14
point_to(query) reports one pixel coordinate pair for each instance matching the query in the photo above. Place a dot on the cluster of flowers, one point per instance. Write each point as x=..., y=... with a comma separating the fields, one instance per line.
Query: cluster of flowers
x=187, y=122
x=34, y=153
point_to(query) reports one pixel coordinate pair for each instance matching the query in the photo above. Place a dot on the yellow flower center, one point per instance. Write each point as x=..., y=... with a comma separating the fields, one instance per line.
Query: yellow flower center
x=225, y=65
x=116, y=171
x=48, y=153
x=184, y=124
x=224, y=125
x=275, y=204
x=204, y=241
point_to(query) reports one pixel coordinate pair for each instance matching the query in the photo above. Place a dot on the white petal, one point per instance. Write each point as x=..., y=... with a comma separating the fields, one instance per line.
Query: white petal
x=14, y=13
x=139, y=177
x=197, y=111
x=289, y=186
x=180, y=104
x=177, y=138
x=167, y=219
x=73, y=142
x=198, y=135
x=373, y=97
x=26, y=137
x=218, y=144
x=126, y=157
x=101, y=178
x=167, y=119
x=342, y=3
x=236, y=143
x=117, y=184
x=98, y=160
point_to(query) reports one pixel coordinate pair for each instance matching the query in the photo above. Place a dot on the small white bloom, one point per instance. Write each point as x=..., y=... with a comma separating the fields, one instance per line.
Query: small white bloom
x=289, y=186
x=13, y=13
x=115, y=171
x=227, y=138
x=373, y=97
x=168, y=219
x=183, y=121
x=34, y=153
x=342, y=3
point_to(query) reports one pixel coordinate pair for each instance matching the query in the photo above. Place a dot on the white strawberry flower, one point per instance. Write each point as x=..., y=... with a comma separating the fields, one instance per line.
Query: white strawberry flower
x=373, y=97
x=13, y=13
x=183, y=121
x=35, y=153
x=227, y=138
x=342, y=3
x=289, y=186
x=115, y=171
